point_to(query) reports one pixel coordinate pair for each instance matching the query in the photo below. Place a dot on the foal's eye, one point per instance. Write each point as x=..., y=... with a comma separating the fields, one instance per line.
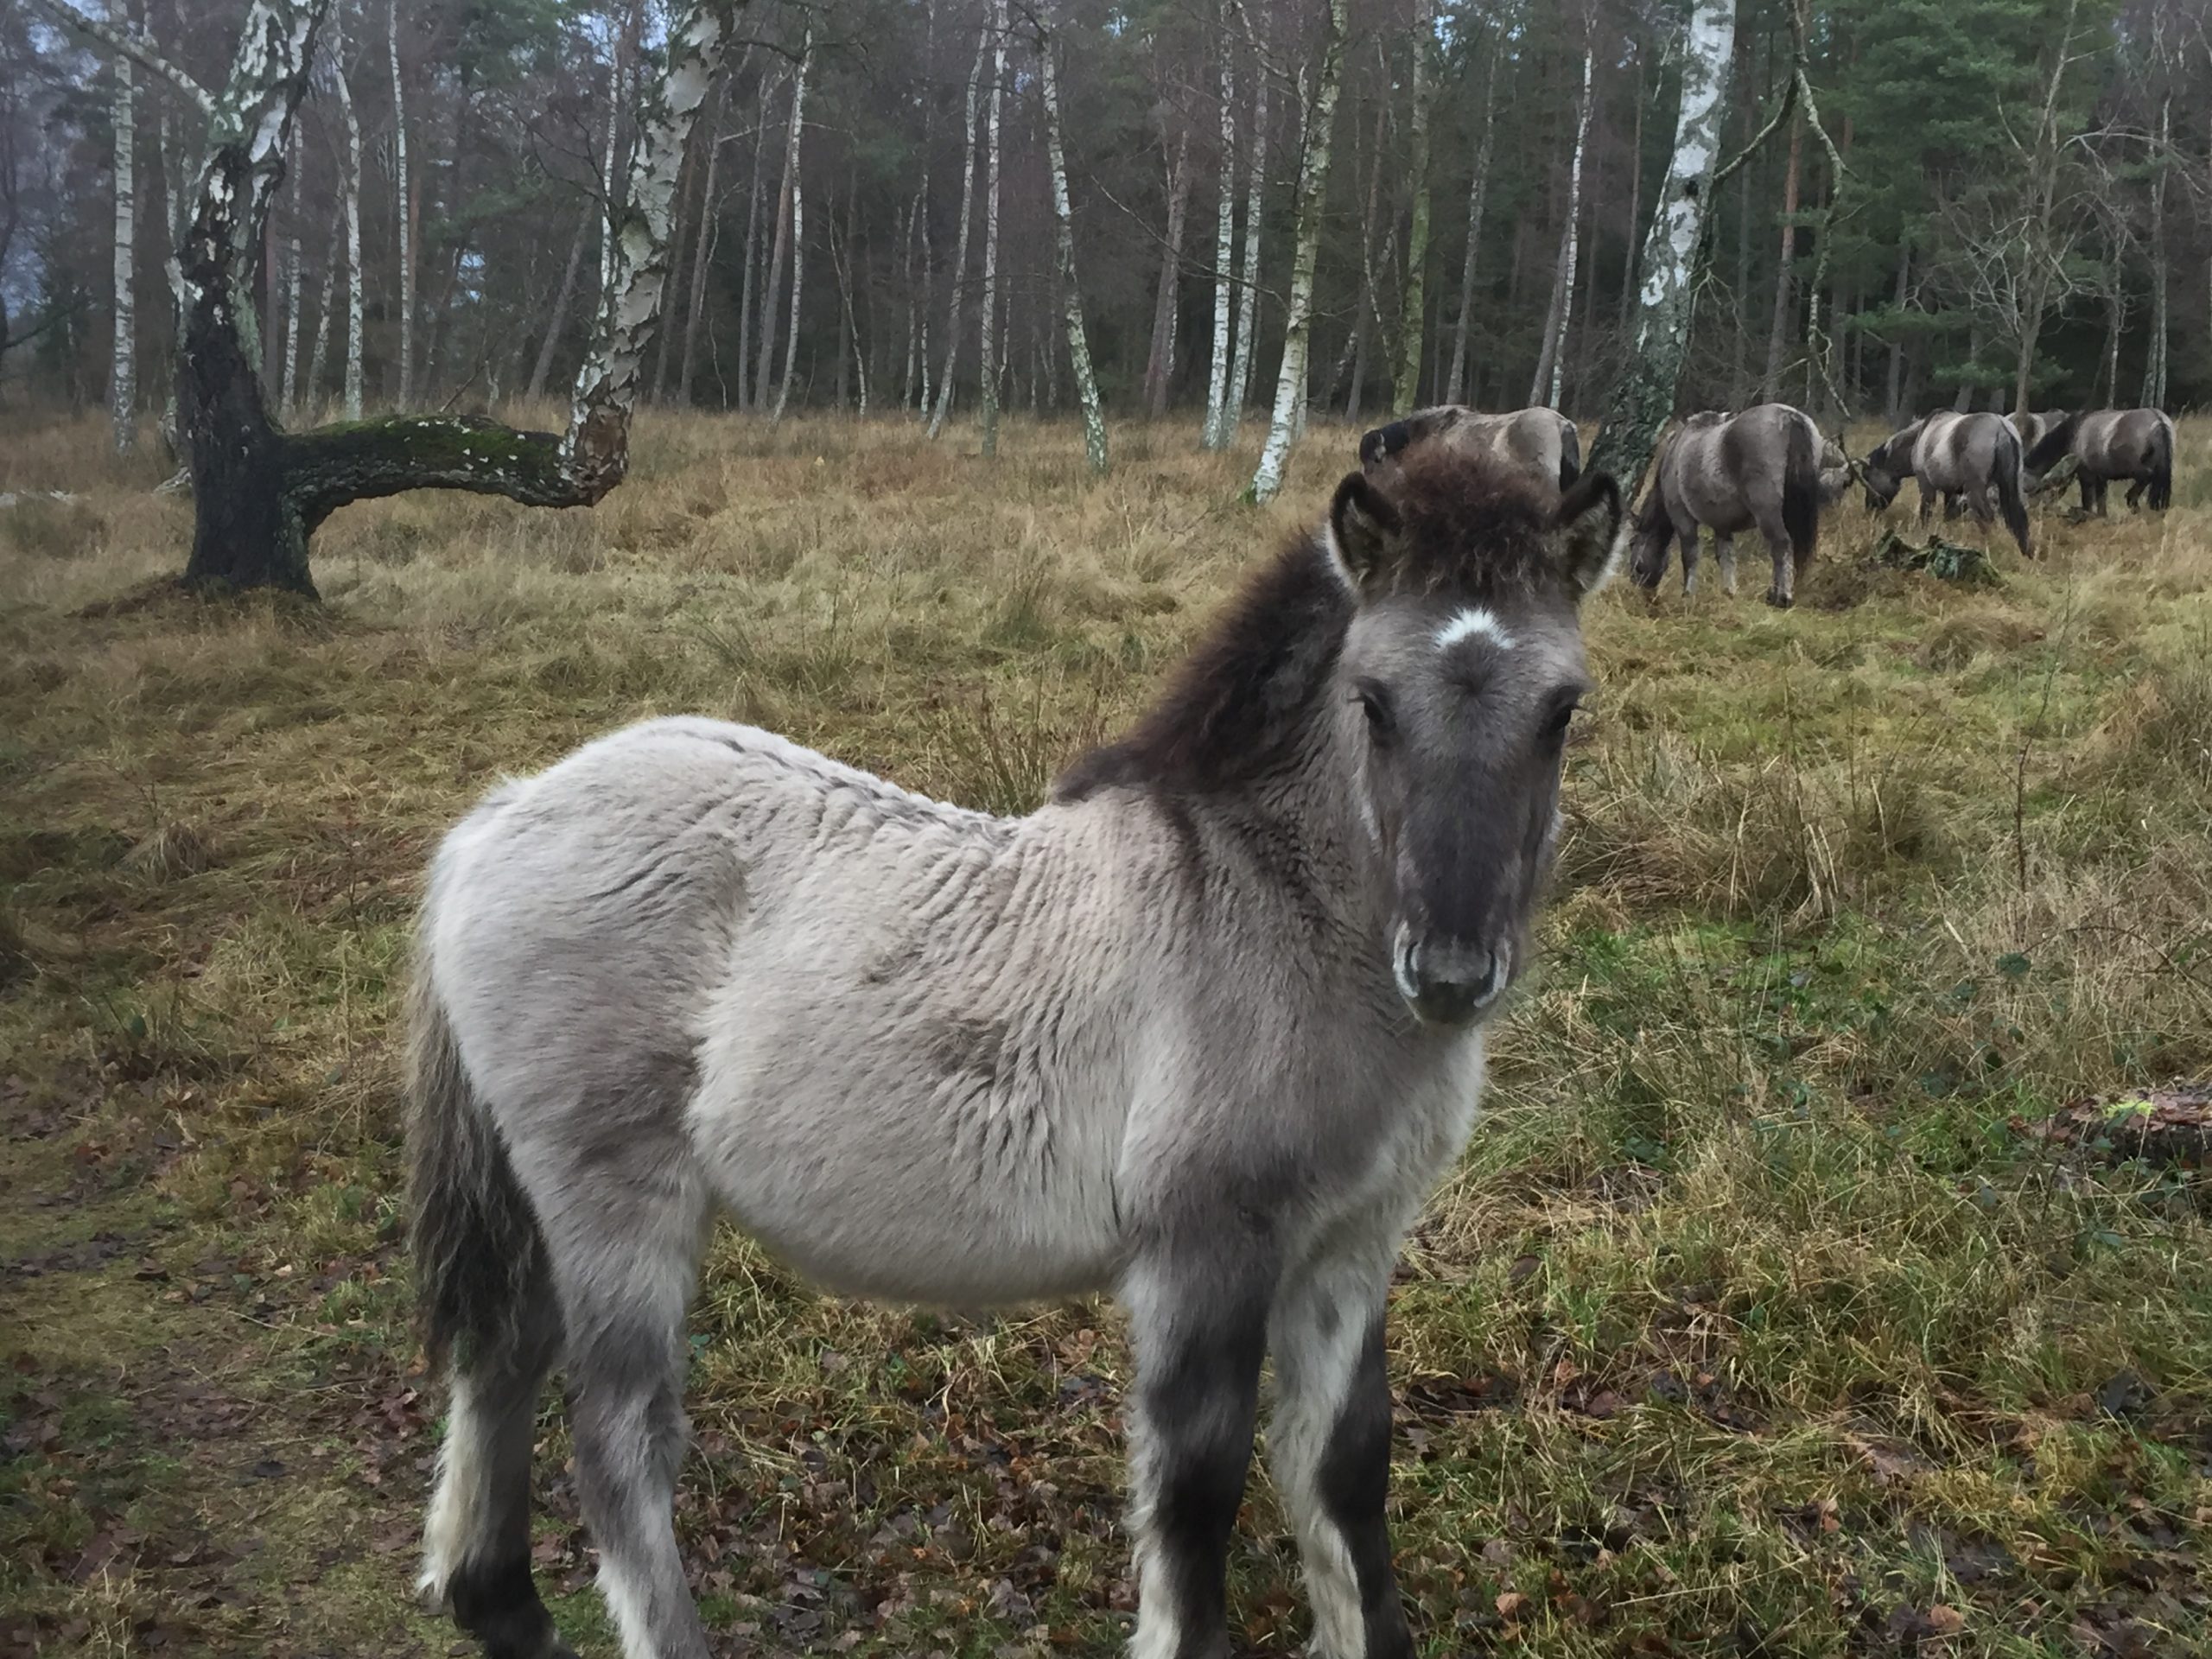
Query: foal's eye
x=1375, y=702
x=1555, y=727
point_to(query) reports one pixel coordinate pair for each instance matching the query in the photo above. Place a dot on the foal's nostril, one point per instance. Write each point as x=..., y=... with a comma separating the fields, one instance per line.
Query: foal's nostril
x=1448, y=981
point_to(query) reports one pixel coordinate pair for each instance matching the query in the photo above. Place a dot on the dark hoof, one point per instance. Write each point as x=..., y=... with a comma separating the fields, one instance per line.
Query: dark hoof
x=1780, y=601
x=499, y=1606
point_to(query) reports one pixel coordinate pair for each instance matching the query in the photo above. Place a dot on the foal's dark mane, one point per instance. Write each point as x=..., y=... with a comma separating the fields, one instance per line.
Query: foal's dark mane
x=1235, y=711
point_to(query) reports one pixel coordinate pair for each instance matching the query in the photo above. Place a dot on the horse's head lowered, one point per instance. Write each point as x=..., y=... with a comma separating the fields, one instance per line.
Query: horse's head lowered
x=1459, y=673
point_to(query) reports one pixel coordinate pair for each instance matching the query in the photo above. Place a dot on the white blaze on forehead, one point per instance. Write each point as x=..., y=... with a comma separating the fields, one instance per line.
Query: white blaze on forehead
x=1469, y=622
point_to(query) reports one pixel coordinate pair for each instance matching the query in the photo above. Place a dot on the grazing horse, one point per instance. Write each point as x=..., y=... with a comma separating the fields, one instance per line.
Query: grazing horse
x=1972, y=457
x=2032, y=426
x=2131, y=443
x=1543, y=441
x=1760, y=470
x=1205, y=1029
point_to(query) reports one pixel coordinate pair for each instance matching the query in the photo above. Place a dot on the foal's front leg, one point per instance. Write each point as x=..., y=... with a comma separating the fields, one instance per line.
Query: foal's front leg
x=1329, y=1446
x=1198, y=1324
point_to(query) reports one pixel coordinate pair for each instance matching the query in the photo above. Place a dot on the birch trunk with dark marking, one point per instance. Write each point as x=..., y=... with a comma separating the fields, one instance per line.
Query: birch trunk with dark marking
x=1412, y=302
x=1551, y=364
x=1630, y=240
x=960, y=241
x=1248, y=292
x=990, y=341
x=311, y=392
x=287, y=399
x=772, y=276
x=1159, y=360
x=1642, y=398
x=260, y=492
x=1217, y=424
x=2154, y=363
x=354, y=295
x=702, y=253
x=752, y=256
x=1312, y=191
x=797, y=226
x=1478, y=186
x=123, y=371
x=404, y=198
x=1078, y=340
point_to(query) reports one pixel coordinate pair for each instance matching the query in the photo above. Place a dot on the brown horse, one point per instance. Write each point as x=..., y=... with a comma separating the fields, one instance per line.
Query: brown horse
x=1973, y=457
x=1760, y=470
x=2130, y=443
x=1541, y=441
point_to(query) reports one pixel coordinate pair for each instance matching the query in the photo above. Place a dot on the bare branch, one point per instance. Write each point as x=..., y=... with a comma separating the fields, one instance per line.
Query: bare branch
x=136, y=48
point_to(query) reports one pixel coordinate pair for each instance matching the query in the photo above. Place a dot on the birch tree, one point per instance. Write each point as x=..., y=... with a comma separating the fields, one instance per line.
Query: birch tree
x=353, y=186
x=1248, y=292
x=799, y=223
x=403, y=204
x=1313, y=190
x=1412, y=302
x=258, y=492
x=2154, y=360
x=287, y=399
x=710, y=226
x=1218, y=423
x=1086, y=382
x=960, y=245
x=1160, y=362
x=123, y=377
x=1455, y=383
x=990, y=320
x=1642, y=397
x=1551, y=364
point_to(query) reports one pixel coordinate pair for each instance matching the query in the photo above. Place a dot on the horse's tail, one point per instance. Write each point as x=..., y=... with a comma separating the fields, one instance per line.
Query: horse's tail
x=1801, y=492
x=2162, y=464
x=480, y=1264
x=2011, y=498
x=1570, y=454
x=2053, y=447
x=1653, y=533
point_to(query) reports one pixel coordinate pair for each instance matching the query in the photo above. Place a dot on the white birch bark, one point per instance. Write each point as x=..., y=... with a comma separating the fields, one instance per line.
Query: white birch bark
x=1086, y=381
x=799, y=223
x=2154, y=365
x=1412, y=302
x=1313, y=189
x=405, y=203
x=1551, y=366
x=1160, y=364
x=702, y=253
x=990, y=341
x=123, y=374
x=352, y=214
x=752, y=256
x=1455, y=383
x=1217, y=427
x=1643, y=398
x=287, y=398
x=311, y=388
x=960, y=241
x=1248, y=293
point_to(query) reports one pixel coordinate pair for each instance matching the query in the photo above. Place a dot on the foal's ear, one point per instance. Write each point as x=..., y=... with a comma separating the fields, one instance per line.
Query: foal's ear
x=1363, y=532
x=1586, y=534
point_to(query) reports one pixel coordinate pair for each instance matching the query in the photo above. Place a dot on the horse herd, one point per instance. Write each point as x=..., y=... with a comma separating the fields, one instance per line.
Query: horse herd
x=1771, y=470
x=1203, y=1031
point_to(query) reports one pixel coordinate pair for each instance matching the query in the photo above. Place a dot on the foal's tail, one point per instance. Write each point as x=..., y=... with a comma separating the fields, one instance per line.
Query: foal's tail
x=1801, y=492
x=2011, y=499
x=1570, y=455
x=2162, y=465
x=479, y=1260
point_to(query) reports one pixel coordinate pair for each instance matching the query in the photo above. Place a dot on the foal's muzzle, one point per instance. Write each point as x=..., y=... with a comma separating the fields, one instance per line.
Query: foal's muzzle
x=1445, y=981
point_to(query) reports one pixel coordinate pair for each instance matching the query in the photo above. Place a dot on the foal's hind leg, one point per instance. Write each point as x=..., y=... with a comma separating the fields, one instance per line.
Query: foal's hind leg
x=1198, y=1321
x=626, y=1240
x=1329, y=1446
x=1724, y=555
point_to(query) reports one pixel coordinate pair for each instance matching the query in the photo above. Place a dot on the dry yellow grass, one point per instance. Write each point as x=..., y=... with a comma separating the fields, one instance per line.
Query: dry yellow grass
x=1750, y=1323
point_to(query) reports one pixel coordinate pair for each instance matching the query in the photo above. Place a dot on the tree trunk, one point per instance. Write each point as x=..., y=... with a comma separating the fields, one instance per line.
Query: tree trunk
x=260, y=492
x=289, y=397
x=1247, y=294
x=991, y=338
x=1642, y=398
x=752, y=259
x=1412, y=303
x=2154, y=365
x=2115, y=326
x=1455, y=384
x=771, y=277
x=1086, y=382
x=1313, y=190
x=311, y=393
x=960, y=241
x=2043, y=255
x=1893, y=403
x=123, y=374
x=1551, y=365
x=1634, y=205
x=702, y=250
x=797, y=224
x=353, y=298
x=1159, y=361
x=404, y=196
x=562, y=300
x=1784, y=271
x=1217, y=426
